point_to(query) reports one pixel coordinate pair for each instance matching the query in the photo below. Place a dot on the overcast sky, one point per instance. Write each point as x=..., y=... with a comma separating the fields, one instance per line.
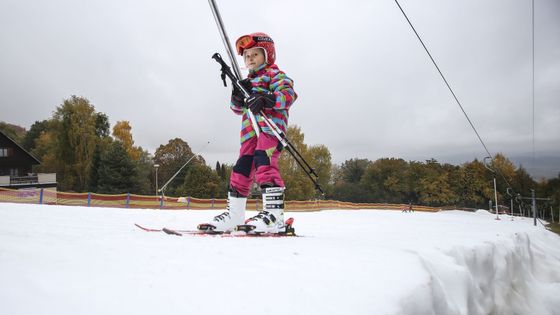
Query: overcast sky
x=366, y=87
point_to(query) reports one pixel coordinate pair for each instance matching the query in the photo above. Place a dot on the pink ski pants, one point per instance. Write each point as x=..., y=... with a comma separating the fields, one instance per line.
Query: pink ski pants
x=258, y=158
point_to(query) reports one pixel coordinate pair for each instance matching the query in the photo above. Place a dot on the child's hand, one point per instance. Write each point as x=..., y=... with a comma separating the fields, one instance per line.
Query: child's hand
x=257, y=101
x=237, y=96
x=237, y=100
x=246, y=84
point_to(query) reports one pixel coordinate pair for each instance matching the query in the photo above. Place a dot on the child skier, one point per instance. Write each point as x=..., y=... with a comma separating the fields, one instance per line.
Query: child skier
x=272, y=94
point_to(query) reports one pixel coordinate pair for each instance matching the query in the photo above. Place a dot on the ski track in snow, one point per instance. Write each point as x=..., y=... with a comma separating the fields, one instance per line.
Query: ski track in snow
x=78, y=260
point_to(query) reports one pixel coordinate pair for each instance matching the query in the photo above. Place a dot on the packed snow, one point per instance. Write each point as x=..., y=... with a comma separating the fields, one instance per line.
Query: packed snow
x=79, y=260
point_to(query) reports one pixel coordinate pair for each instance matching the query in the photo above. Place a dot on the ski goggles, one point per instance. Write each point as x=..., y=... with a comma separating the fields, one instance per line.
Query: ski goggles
x=248, y=41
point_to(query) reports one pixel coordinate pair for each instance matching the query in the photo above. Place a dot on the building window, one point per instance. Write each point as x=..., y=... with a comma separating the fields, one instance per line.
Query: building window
x=3, y=152
x=14, y=172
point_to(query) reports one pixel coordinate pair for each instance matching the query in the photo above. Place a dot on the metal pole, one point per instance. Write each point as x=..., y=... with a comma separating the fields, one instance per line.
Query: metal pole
x=496, y=199
x=534, y=207
x=156, y=166
x=231, y=56
x=225, y=38
x=509, y=192
x=511, y=208
x=486, y=164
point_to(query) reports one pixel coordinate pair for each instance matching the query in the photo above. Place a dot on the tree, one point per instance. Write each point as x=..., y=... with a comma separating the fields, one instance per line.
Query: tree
x=298, y=185
x=122, y=132
x=353, y=169
x=143, y=168
x=141, y=177
x=505, y=175
x=218, y=168
x=223, y=171
x=15, y=132
x=94, y=170
x=171, y=157
x=46, y=146
x=414, y=175
x=38, y=128
x=201, y=182
x=523, y=182
x=117, y=171
x=346, y=181
x=76, y=134
x=435, y=188
x=504, y=166
x=551, y=188
x=320, y=160
x=385, y=180
x=65, y=144
x=473, y=179
x=102, y=126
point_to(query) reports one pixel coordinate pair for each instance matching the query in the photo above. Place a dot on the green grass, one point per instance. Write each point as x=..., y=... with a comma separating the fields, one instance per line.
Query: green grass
x=554, y=227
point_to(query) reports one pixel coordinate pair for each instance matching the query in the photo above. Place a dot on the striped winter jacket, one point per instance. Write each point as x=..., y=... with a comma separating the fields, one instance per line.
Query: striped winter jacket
x=268, y=78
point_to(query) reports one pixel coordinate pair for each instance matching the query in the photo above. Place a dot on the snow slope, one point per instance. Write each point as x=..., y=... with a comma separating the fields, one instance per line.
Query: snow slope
x=77, y=260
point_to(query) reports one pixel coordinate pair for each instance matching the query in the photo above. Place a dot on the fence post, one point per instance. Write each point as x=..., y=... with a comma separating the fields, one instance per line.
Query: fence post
x=89, y=199
x=161, y=202
x=41, y=197
x=127, y=199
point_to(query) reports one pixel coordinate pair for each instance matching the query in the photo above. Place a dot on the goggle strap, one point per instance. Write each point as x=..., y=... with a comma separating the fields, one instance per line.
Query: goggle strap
x=247, y=41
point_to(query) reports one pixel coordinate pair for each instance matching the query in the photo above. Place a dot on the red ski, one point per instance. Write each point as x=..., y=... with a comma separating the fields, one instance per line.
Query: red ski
x=242, y=232
x=176, y=232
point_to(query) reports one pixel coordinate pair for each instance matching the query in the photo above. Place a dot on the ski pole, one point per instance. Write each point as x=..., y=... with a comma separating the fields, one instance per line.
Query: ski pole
x=293, y=151
x=225, y=38
x=285, y=141
x=229, y=50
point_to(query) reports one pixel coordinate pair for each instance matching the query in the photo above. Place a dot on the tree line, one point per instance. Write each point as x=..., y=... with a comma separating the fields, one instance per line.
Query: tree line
x=78, y=143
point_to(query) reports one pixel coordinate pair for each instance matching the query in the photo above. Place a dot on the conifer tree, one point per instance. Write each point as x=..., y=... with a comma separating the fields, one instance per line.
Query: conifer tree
x=117, y=171
x=94, y=170
x=201, y=182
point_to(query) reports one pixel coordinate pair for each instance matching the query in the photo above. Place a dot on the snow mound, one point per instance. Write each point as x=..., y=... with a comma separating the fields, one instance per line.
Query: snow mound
x=77, y=260
x=520, y=275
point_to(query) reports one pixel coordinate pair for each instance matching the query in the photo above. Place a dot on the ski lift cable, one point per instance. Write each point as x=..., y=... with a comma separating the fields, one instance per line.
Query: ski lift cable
x=444, y=79
x=451, y=90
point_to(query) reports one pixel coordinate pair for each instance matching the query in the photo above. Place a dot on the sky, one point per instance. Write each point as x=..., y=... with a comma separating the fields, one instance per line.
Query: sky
x=366, y=87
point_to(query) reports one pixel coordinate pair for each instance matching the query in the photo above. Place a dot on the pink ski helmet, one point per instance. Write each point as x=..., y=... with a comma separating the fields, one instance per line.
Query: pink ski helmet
x=260, y=40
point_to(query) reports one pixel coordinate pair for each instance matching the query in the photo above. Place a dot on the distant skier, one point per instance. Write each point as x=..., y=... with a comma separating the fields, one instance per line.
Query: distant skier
x=272, y=93
x=408, y=208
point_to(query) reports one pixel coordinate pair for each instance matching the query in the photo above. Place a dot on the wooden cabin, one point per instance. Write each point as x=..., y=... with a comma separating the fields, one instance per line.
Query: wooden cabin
x=16, y=167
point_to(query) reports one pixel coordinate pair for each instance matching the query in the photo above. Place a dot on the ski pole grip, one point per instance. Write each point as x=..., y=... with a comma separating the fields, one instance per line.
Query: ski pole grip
x=221, y=61
x=217, y=57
